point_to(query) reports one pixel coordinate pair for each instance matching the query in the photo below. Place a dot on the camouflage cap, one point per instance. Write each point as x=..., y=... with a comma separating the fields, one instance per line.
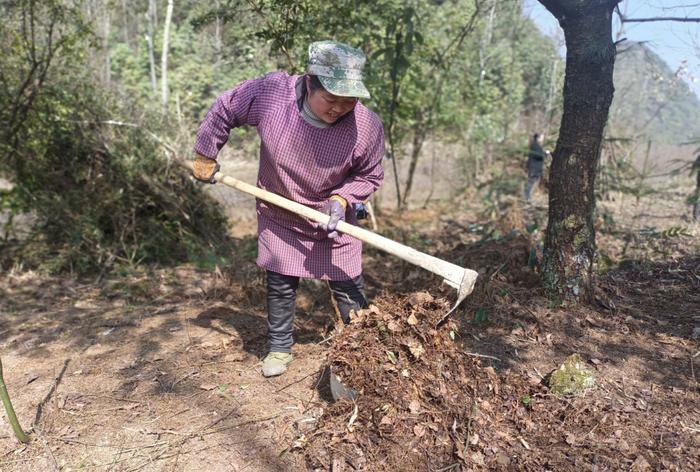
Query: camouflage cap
x=338, y=67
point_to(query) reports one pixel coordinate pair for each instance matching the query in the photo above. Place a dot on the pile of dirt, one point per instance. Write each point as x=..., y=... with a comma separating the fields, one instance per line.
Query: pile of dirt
x=417, y=391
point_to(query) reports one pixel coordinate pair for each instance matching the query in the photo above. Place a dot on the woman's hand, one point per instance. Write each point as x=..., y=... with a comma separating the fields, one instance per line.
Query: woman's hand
x=335, y=209
x=204, y=169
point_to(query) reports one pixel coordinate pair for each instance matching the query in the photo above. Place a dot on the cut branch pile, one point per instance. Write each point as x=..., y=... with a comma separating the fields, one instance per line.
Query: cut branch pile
x=417, y=391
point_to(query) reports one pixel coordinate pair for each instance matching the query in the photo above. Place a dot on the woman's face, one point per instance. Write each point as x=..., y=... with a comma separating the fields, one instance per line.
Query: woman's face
x=328, y=107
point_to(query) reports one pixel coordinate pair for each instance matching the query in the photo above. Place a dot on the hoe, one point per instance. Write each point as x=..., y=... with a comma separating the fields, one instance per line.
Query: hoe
x=455, y=276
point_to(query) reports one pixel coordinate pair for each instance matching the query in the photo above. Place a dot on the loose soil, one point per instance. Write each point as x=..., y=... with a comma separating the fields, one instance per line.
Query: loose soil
x=160, y=370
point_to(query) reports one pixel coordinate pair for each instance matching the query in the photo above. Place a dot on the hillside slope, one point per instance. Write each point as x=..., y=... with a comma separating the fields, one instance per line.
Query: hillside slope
x=652, y=101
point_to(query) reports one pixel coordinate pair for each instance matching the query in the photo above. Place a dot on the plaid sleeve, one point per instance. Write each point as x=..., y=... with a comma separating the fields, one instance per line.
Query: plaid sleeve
x=232, y=109
x=367, y=173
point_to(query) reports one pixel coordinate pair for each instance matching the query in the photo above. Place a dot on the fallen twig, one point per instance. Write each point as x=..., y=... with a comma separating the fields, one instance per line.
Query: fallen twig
x=449, y=467
x=258, y=419
x=54, y=386
x=353, y=417
x=47, y=448
x=695, y=430
x=475, y=354
x=295, y=382
x=692, y=372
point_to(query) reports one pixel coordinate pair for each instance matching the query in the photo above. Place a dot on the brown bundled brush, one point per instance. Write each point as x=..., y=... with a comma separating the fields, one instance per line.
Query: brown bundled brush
x=416, y=391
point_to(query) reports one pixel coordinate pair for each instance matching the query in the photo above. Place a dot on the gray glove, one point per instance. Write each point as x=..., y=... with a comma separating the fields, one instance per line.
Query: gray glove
x=336, y=211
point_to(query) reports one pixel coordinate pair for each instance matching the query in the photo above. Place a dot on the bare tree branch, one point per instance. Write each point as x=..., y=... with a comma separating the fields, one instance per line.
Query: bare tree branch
x=692, y=5
x=660, y=18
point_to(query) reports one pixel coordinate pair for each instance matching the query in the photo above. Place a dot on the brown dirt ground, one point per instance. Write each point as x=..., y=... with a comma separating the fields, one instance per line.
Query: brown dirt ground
x=160, y=370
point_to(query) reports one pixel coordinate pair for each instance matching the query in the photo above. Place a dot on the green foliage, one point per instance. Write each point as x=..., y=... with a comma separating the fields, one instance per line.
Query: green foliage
x=103, y=196
x=672, y=232
x=480, y=316
x=461, y=70
x=571, y=378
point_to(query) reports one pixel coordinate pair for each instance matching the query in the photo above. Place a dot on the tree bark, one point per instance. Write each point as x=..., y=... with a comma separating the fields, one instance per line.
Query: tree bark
x=126, y=27
x=150, y=17
x=164, y=57
x=106, y=29
x=419, y=133
x=588, y=91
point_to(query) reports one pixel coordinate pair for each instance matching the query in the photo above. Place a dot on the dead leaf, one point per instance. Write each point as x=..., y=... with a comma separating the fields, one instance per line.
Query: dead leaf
x=419, y=298
x=412, y=320
x=416, y=349
x=207, y=386
x=414, y=406
x=502, y=458
x=31, y=377
x=478, y=458
x=300, y=442
x=570, y=439
x=419, y=430
x=640, y=464
x=623, y=446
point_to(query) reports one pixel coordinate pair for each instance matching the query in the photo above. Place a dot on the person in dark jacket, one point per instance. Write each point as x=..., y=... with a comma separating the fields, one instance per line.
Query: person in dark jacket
x=696, y=197
x=535, y=163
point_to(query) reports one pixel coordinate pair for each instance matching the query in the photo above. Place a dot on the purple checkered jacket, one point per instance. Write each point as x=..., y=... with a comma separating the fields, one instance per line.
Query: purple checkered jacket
x=305, y=164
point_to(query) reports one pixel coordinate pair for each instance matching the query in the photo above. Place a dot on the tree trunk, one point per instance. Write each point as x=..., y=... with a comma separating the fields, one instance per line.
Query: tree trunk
x=164, y=57
x=218, y=41
x=126, y=28
x=588, y=91
x=106, y=27
x=549, y=110
x=420, y=130
x=150, y=22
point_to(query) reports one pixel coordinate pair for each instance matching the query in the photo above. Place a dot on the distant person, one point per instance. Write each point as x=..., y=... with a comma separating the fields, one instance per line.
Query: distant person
x=321, y=147
x=535, y=164
x=696, y=197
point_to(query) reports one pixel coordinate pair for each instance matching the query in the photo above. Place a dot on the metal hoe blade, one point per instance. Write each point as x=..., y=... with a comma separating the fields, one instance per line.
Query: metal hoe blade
x=466, y=286
x=339, y=390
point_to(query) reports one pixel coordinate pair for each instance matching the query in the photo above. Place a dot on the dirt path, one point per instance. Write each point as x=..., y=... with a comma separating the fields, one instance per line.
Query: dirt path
x=160, y=372
x=173, y=384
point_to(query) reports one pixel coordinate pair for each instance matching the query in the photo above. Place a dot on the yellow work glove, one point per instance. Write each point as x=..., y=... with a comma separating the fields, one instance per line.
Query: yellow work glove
x=204, y=169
